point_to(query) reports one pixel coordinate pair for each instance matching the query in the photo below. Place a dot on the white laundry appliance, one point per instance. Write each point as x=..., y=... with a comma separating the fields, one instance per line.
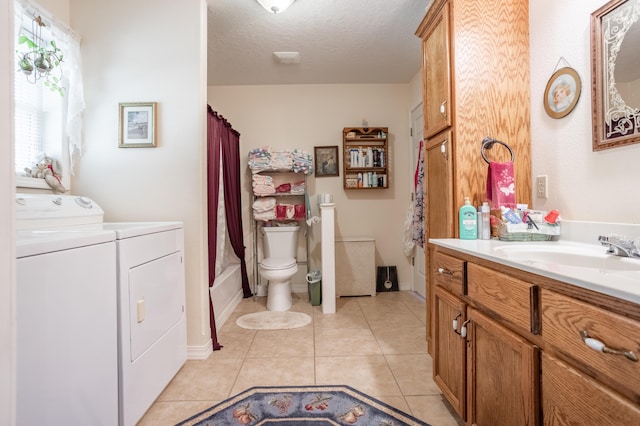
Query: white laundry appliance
x=66, y=316
x=151, y=320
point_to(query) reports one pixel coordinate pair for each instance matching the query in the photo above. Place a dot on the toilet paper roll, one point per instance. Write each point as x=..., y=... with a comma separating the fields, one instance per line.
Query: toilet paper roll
x=325, y=198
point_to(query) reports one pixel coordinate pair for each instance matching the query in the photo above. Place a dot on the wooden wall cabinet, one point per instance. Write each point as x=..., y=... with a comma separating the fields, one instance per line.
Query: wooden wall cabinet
x=515, y=354
x=474, y=86
x=366, y=157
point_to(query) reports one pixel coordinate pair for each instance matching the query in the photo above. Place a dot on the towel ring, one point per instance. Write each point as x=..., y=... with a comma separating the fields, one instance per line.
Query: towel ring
x=487, y=143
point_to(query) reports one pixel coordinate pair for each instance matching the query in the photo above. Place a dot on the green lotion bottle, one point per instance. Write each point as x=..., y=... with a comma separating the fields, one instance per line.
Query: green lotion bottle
x=468, y=221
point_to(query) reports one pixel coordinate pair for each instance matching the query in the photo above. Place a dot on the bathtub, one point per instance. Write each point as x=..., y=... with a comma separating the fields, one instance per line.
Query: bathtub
x=226, y=293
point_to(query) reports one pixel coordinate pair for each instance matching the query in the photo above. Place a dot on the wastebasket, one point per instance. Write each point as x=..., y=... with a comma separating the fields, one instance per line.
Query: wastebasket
x=314, y=282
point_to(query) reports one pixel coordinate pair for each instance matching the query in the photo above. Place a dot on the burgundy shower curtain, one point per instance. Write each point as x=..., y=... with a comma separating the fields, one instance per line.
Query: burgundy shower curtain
x=223, y=139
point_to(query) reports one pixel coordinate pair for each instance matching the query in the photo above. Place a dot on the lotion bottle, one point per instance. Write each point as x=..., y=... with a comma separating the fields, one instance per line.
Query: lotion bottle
x=485, y=213
x=468, y=221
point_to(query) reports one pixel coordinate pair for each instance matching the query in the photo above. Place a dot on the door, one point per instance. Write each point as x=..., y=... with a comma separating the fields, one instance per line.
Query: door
x=501, y=367
x=437, y=75
x=449, y=355
x=439, y=185
x=419, y=264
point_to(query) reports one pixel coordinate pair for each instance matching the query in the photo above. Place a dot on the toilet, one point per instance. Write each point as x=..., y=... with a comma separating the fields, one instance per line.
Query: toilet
x=280, y=244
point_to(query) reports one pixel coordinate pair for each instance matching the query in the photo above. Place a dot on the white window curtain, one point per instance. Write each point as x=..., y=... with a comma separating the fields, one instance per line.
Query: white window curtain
x=69, y=42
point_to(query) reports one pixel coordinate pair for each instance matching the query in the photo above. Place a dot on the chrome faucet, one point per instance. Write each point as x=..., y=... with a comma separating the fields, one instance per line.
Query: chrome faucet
x=619, y=246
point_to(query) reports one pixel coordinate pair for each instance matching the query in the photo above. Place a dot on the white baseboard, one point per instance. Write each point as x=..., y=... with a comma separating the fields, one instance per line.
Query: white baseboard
x=200, y=352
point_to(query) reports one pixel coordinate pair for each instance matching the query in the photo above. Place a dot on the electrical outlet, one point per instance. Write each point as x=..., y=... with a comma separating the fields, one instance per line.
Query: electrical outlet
x=542, y=187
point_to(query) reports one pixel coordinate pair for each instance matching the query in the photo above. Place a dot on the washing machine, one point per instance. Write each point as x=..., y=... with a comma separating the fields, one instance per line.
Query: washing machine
x=150, y=295
x=66, y=315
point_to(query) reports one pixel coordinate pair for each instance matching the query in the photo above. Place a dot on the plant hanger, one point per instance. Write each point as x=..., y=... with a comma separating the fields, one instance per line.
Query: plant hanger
x=42, y=60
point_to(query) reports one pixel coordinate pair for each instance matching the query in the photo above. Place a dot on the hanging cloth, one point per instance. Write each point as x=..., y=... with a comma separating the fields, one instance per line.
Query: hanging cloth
x=418, y=206
x=501, y=182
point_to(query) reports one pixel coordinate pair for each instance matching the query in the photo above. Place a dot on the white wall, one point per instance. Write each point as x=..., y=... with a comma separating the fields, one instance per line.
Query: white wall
x=149, y=51
x=7, y=239
x=304, y=116
x=583, y=185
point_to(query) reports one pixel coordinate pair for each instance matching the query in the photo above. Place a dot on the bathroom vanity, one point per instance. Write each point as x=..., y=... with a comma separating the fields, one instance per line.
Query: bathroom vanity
x=514, y=326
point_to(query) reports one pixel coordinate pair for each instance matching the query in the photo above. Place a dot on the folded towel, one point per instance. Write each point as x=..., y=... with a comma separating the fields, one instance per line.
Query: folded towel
x=501, y=185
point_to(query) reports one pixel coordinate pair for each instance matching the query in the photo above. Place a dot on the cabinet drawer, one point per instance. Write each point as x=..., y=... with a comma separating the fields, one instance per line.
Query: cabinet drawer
x=570, y=397
x=508, y=297
x=564, y=318
x=448, y=272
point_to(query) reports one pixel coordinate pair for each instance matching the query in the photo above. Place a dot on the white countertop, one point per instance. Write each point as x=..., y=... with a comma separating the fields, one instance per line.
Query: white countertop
x=623, y=284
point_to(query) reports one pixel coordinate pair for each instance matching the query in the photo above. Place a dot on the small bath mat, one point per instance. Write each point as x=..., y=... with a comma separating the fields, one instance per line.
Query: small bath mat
x=272, y=320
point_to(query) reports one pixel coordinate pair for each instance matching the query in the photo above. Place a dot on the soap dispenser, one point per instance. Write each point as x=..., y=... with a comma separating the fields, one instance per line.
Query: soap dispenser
x=468, y=221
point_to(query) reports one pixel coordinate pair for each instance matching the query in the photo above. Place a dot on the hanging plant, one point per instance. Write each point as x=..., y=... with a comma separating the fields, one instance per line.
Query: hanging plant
x=40, y=60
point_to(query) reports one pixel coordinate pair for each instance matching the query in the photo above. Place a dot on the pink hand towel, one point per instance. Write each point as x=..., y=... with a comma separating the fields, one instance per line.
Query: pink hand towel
x=501, y=185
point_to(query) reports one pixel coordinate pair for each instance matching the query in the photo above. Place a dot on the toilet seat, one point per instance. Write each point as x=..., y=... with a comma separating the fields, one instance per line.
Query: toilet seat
x=276, y=263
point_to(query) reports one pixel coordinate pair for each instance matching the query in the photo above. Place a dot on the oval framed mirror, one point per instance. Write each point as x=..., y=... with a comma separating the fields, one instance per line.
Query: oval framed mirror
x=615, y=61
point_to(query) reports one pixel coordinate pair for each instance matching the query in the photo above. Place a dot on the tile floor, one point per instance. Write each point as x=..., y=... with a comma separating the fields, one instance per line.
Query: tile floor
x=374, y=344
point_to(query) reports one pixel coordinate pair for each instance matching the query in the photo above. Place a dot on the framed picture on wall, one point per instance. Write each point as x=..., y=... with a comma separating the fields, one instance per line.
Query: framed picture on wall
x=137, y=125
x=327, y=162
x=562, y=92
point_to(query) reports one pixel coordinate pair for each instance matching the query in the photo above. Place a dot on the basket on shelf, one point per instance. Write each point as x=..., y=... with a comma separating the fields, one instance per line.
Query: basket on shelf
x=525, y=232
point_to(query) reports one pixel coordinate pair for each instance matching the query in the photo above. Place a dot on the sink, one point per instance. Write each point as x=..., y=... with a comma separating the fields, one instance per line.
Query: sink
x=569, y=255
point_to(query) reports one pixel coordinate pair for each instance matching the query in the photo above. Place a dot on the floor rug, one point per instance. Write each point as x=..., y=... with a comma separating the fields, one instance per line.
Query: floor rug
x=302, y=405
x=272, y=320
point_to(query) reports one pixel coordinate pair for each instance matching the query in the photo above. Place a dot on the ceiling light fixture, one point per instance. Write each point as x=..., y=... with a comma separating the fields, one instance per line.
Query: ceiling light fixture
x=275, y=6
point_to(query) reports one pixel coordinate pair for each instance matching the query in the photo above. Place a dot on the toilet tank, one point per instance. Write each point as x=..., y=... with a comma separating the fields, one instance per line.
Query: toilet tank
x=280, y=241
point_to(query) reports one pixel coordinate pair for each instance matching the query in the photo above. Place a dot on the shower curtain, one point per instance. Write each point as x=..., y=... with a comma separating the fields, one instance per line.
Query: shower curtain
x=224, y=142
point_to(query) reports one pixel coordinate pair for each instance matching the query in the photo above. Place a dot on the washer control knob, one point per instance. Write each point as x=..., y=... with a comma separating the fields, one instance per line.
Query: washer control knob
x=58, y=201
x=84, y=202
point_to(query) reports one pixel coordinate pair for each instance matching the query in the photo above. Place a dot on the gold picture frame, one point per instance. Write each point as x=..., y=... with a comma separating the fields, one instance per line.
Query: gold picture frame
x=137, y=125
x=327, y=161
x=562, y=92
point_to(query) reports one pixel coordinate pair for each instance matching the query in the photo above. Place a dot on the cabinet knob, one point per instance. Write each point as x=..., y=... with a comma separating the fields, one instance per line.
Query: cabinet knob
x=444, y=271
x=443, y=110
x=463, y=329
x=599, y=346
x=455, y=323
x=443, y=149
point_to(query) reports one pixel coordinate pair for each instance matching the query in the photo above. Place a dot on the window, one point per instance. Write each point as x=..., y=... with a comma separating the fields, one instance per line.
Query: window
x=46, y=120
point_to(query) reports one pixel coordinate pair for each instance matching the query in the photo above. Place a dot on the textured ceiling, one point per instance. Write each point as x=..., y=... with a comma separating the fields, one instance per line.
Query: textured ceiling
x=340, y=41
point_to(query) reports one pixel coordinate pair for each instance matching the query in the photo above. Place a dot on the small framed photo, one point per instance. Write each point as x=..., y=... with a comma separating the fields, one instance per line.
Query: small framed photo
x=326, y=160
x=137, y=125
x=562, y=92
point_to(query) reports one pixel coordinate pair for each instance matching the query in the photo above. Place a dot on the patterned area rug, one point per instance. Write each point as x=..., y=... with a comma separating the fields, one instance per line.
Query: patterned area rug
x=273, y=320
x=304, y=405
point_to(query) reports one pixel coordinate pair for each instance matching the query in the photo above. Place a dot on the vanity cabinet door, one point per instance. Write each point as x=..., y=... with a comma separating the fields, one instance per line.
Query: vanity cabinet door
x=449, y=349
x=502, y=375
x=571, y=398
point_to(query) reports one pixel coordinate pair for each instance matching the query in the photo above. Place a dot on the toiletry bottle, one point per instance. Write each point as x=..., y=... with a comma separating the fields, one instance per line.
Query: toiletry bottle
x=479, y=222
x=486, y=223
x=468, y=221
